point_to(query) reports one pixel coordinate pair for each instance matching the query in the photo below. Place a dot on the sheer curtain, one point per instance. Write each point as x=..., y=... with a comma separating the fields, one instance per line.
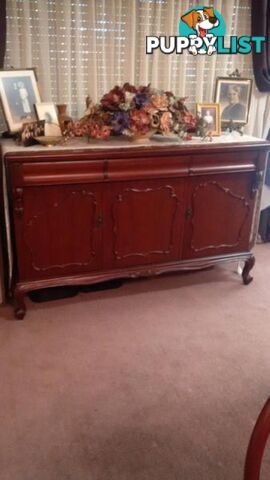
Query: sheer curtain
x=87, y=46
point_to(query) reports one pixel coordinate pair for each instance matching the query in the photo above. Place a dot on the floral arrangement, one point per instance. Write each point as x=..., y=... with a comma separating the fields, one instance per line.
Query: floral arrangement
x=135, y=112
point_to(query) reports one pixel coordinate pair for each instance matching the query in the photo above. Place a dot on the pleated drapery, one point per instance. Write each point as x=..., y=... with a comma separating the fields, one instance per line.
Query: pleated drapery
x=87, y=46
x=3, y=31
x=261, y=27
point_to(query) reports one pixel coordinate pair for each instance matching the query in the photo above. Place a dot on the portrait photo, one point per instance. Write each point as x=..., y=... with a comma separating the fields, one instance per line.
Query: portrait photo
x=30, y=131
x=19, y=92
x=233, y=95
x=47, y=111
x=210, y=113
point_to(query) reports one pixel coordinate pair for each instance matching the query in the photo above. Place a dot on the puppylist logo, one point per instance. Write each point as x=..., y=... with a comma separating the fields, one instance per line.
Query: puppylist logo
x=202, y=26
x=202, y=31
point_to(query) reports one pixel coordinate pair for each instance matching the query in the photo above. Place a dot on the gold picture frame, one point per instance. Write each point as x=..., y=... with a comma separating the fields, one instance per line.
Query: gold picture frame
x=210, y=112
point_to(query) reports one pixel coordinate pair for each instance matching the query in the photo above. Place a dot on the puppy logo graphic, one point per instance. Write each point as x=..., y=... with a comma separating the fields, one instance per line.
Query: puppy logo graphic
x=201, y=20
x=202, y=30
x=202, y=26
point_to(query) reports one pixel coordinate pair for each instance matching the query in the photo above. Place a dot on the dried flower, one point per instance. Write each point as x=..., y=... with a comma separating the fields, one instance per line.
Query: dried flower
x=90, y=106
x=127, y=87
x=131, y=110
x=189, y=119
x=166, y=122
x=129, y=97
x=111, y=100
x=141, y=99
x=139, y=122
x=155, y=120
x=159, y=101
x=99, y=132
x=120, y=122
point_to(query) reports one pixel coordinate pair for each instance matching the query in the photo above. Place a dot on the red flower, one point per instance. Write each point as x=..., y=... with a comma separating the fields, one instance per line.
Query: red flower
x=145, y=88
x=189, y=119
x=139, y=122
x=129, y=88
x=99, y=132
x=112, y=100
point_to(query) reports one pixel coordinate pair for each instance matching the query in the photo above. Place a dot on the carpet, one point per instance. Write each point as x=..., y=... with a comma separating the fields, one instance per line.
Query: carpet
x=161, y=379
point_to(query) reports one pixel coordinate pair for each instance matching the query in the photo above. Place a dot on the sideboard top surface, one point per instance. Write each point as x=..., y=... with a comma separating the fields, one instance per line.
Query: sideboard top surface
x=80, y=149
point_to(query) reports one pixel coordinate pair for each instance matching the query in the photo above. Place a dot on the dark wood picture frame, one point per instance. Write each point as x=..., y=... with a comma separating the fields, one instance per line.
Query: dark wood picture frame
x=14, y=102
x=238, y=108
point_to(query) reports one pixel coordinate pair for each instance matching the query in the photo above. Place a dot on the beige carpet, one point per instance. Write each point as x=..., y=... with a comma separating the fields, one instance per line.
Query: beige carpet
x=161, y=379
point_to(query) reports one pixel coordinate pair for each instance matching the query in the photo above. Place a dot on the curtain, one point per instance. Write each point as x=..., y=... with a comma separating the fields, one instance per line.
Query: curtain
x=87, y=46
x=2, y=55
x=3, y=27
x=261, y=27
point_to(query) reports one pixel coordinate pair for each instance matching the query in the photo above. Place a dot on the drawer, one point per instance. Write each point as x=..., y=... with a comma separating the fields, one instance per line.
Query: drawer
x=149, y=167
x=207, y=163
x=54, y=173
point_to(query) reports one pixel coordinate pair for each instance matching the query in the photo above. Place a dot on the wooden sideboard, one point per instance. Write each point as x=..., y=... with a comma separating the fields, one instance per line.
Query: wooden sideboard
x=89, y=215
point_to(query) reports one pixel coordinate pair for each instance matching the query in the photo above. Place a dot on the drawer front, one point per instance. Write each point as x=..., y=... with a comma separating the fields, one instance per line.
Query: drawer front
x=57, y=173
x=147, y=168
x=223, y=163
x=31, y=173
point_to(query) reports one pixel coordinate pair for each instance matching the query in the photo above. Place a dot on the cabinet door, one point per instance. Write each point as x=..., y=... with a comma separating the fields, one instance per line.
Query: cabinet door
x=144, y=222
x=57, y=230
x=219, y=215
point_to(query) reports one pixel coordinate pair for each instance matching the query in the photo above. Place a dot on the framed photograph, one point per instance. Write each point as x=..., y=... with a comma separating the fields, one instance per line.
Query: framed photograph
x=233, y=95
x=19, y=92
x=47, y=111
x=210, y=112
x=30, y=131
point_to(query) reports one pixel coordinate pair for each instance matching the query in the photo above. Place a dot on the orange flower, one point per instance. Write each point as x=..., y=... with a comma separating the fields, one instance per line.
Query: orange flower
x=149, y=108
x=166, y=122
x=160, y=101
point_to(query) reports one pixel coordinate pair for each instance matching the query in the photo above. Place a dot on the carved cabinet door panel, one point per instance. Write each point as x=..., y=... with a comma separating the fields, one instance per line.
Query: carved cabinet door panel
x=57, y=230
x=219, y=214
x=145, y=222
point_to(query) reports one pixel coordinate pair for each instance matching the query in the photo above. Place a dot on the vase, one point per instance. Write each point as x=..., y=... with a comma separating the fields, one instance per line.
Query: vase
x=63, y=117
